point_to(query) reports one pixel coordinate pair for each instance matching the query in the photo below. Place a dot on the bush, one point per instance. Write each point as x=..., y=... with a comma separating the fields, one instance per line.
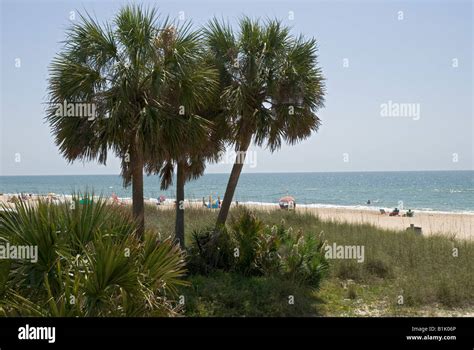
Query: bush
x=348, y=270
x=247, y=232
x=253, y=249
x=379, y=268
x=90, y=263
x=302, y=257
x=211, y=250
x=352, y=292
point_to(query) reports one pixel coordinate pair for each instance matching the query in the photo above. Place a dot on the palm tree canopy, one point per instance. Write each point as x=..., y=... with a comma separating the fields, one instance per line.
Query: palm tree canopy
x=140, y=73
x=272, y=85
x=189, y=97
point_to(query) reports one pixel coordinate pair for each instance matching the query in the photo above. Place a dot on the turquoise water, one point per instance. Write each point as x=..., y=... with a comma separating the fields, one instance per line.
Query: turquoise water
x=423, y=190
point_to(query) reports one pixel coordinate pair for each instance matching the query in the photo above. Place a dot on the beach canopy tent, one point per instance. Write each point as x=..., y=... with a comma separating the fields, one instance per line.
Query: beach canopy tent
x=287, y=202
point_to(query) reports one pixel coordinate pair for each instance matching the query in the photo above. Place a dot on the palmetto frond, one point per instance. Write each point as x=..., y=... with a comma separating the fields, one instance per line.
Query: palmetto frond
x=106, y=68
x=89, y=262
x=184, y=93
x=272, y=86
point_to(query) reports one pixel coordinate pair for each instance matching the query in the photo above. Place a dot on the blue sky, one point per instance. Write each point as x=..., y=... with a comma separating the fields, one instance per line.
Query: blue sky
x=409, y=61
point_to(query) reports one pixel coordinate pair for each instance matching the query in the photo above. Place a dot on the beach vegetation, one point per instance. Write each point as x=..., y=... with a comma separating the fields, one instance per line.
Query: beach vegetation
x=90, y=263
x=251, y=248
x=422, y=269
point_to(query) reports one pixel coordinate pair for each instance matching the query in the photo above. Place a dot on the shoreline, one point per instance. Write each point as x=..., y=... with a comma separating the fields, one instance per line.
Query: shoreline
x=169, y=201
x=452, y=224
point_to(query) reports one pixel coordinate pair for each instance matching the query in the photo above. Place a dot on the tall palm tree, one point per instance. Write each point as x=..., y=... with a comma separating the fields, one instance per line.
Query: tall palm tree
x=112, y=69
x=186, y=93
x=272, y=88
x=128, y=72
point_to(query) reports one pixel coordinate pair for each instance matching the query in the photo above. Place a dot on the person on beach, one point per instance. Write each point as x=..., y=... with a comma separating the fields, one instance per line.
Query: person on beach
x=395, y=212
x=115, y=198
x=161, y=199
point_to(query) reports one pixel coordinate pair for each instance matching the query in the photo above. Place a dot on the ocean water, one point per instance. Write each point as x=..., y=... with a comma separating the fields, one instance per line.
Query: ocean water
x=450, y=191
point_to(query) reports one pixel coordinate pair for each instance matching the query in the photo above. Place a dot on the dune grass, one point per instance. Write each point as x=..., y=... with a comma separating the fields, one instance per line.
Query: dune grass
x=233, y=295
x=402, y=272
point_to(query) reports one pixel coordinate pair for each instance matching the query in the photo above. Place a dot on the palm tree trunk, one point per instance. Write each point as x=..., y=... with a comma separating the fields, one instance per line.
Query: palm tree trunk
x=137, y=191
x=179, y=226
x=232, y=184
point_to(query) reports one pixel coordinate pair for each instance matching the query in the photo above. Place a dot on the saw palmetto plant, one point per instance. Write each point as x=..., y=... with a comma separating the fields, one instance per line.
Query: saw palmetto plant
x=89, y=262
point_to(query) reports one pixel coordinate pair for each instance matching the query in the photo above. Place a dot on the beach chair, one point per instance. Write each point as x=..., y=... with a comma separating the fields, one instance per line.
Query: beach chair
x=395, y=212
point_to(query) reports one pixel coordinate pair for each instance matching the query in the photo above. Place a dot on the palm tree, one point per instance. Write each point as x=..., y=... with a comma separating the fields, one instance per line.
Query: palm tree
x=272, y=88
x=111, y=69
x=139, y=76
x=186, y=91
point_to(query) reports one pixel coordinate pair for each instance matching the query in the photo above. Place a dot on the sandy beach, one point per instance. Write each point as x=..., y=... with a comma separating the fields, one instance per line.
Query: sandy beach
x=460, y=226
x=456, y=225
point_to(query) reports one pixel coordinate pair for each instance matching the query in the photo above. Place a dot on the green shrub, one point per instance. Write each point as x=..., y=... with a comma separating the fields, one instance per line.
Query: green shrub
x=304, y=259
x=346, y=270
x=352, y=292
x=90, y=263
x=379, y=268
x=254, y=249
x=211, y=250
x=247, y=232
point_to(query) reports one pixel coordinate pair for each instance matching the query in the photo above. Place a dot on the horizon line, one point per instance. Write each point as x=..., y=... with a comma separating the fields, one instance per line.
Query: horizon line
x=266, y=172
